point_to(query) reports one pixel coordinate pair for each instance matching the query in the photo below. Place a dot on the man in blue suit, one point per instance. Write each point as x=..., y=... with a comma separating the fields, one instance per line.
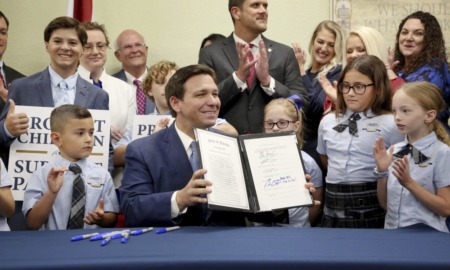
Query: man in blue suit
x=159, y=187
x=56, y=85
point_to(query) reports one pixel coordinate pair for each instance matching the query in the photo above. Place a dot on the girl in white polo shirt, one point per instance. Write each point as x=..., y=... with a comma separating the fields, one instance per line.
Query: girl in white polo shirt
x=363, y=113
x=414, y=175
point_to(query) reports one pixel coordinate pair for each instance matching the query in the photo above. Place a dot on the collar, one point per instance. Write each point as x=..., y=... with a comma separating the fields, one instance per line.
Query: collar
x=55, y=79
x=423, y=142
x=185, y=139
x=156, y=112
x=131, y=78
x=86, y=74
x=255, y=42
x=62, y=162
x=364, y=115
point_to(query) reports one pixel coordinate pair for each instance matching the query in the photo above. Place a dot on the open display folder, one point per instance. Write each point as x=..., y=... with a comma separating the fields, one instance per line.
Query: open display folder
x=253, y=173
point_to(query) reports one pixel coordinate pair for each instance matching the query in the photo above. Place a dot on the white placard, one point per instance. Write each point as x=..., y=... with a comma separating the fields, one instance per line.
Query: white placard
x=144, y=125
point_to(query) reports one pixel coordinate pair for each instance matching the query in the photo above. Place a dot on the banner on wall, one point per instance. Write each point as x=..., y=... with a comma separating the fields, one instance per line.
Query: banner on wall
x=386, y=15
x=34, y=149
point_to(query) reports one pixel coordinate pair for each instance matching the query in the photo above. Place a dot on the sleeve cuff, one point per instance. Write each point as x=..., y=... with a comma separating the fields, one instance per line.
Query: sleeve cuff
x=240, y=84
x=174, y=210
x=271, y=89
x=7, y=132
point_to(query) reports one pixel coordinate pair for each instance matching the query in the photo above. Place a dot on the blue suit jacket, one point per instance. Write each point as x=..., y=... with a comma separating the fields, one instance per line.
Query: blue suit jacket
x=36, y=90
x=149, y=104
x=156, y=166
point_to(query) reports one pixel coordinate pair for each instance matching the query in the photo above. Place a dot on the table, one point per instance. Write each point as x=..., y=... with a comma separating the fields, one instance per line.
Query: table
x=416, y=247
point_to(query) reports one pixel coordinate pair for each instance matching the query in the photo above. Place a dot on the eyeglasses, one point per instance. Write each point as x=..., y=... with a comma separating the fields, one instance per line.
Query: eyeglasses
x=359, y=88
x=101, y=47
x=129, y=47
x=282, y=124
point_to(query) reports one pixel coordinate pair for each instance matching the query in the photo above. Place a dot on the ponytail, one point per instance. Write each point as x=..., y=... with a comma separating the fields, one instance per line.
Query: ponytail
x=441, y=132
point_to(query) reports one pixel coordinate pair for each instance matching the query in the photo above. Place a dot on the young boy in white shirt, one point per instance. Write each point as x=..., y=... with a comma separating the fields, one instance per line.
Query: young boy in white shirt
x=48, y=200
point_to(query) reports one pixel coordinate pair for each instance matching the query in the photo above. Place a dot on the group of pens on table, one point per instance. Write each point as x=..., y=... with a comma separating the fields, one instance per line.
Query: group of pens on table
x=124, y=234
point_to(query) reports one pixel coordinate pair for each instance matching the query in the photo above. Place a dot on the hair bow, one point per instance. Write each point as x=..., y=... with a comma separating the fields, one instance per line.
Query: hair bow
x=296, y=100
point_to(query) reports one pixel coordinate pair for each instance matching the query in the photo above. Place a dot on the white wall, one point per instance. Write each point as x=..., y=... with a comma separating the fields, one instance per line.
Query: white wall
x=173, y=29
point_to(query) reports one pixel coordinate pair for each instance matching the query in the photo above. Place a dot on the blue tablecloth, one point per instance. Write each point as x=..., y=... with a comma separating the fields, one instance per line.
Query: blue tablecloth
x=417, y=247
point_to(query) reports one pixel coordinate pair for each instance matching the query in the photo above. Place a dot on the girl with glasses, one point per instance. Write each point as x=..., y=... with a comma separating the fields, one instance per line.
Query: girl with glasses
x=345, y=144
x=285, y=115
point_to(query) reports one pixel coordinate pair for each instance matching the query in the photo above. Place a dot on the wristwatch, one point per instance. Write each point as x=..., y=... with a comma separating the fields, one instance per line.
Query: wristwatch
x=378, y=174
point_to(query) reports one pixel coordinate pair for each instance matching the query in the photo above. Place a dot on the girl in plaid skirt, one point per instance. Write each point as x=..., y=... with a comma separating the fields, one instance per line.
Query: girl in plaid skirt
x=345, y=144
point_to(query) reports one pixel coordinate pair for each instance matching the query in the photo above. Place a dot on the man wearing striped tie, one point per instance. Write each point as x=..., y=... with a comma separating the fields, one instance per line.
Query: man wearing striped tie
x=251, y=69
x=132, y=52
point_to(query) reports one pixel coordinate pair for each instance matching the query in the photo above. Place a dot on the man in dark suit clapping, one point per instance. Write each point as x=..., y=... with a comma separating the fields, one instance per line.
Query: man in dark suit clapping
x=247, y=57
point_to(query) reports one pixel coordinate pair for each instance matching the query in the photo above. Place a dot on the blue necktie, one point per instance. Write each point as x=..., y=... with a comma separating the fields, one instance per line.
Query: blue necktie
x=196, y=165
x=98, y=84
x=62, y=97
x=195, y=157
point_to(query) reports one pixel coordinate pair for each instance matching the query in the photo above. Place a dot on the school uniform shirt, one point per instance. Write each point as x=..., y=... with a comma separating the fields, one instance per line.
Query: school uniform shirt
x=350, y=158
x=403, y=208
x=4, y=182
x=299, y=217
x=98, y=185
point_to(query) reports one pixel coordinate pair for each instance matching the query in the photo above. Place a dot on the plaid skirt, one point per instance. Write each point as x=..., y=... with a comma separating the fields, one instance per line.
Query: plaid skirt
x=352, y=206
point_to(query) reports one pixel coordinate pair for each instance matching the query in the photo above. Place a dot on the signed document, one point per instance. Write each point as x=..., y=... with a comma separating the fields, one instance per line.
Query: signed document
x=254, y=173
